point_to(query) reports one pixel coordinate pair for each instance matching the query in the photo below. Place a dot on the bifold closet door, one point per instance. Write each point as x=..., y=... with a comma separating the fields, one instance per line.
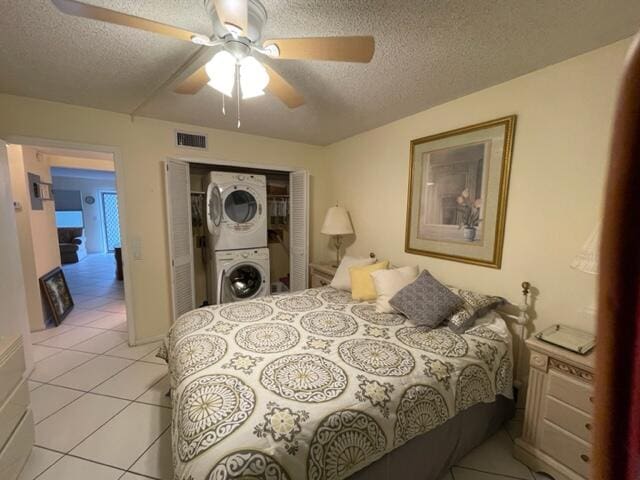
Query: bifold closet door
x=178, y=196
x=299, y=230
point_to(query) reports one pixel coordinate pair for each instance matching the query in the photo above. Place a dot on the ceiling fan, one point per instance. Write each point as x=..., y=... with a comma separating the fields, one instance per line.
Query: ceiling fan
x=237, y=26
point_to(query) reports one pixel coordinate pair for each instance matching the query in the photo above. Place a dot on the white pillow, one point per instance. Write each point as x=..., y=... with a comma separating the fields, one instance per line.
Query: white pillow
x=342, y=278
x=390, y=282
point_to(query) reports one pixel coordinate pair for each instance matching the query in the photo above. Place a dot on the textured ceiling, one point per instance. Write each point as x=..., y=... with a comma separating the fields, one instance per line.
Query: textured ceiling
x=427, y=52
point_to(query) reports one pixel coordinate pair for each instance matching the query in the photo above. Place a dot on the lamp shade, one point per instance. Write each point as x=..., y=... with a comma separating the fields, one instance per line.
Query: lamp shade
x=253, y=78
x=337, y=222
x=588, y=258
x=221, y=71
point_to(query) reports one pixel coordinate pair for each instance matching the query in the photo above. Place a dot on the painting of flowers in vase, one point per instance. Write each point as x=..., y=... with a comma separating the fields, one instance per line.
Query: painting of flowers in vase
x=458, y=189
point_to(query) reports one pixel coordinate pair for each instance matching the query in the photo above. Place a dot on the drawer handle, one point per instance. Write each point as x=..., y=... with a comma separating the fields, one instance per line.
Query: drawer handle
x=584, y=458
x=588, y=426
x=591, y=399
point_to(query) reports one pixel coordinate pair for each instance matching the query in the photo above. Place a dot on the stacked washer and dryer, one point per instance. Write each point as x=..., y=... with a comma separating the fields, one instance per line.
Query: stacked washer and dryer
x=237, y=224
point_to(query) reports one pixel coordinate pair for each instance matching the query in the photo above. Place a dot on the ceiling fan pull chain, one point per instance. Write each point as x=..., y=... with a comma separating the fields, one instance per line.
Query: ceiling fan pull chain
x=224, y=111
x=238, y=91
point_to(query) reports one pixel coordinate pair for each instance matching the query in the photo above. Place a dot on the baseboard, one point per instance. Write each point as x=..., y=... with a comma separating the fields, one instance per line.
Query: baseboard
x=146, y=340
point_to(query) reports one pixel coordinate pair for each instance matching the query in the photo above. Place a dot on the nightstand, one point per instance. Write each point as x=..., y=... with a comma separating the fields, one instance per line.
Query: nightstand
x=556, y=437
x=321, y=274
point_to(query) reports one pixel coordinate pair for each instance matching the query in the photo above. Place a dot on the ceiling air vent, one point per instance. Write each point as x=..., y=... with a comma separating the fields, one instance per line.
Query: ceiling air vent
x=191, y=140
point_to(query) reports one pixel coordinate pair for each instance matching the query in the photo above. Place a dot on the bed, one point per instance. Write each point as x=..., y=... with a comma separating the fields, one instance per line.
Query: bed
x=314, y=385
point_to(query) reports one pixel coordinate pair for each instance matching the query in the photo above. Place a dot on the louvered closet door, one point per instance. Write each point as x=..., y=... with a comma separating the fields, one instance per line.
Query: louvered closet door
x=180, y=245
x=299, y=229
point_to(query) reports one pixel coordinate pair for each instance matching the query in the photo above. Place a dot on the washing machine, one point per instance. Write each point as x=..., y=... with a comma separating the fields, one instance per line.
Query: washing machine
x=240, y=275
x=237, y=210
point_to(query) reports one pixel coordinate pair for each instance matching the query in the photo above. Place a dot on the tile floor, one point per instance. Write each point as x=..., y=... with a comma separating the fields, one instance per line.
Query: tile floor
x=100, y=406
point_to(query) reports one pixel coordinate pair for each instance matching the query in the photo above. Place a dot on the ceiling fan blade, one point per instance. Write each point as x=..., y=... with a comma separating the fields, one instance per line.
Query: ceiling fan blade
x=337, y=49
x=193, y=83
x=233, y=14
x=79, y=9
x=282, y=89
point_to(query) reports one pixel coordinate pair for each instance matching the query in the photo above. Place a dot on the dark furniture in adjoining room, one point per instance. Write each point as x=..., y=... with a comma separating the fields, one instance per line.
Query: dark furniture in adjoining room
x=72, y=244
x=117, y=252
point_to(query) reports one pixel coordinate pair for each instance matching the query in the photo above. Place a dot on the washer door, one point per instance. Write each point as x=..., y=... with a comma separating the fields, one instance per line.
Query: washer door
x=214, y=209
x=244, y=281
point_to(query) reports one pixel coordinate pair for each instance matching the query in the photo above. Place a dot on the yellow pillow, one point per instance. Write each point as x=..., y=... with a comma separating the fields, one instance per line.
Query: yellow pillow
x=362, y=286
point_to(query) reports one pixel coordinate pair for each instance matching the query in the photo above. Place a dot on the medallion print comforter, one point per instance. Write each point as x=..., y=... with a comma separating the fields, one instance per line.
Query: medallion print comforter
x=314, y=385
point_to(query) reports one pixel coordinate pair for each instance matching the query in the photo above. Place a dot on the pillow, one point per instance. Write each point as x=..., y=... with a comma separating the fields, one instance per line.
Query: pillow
x=390, y=282
x=426, y=301
x=342, y=279
x=362, y=287
x=474, y=305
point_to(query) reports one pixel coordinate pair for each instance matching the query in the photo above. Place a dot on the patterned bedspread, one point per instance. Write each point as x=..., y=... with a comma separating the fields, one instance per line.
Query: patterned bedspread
x=314, y=385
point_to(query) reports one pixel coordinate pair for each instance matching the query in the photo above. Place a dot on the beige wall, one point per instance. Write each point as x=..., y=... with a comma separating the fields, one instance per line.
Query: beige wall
x=144, y=144
x=558, y=170
x=46, y=249
x=84, y=163
x=37, y=231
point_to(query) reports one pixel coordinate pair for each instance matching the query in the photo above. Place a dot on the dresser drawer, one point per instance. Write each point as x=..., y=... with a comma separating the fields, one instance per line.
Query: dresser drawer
x=570, y=390
x=11, y=366
x=566, y=448
x=12, y=410
x=569, y=418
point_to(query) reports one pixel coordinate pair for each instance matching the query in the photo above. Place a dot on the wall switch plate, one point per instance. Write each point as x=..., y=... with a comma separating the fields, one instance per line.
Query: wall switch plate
x=136, y=248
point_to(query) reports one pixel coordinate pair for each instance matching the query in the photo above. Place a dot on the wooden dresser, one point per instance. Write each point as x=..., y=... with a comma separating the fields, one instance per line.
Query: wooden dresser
x=321, y=274
x=556, y=436
x=16, y=419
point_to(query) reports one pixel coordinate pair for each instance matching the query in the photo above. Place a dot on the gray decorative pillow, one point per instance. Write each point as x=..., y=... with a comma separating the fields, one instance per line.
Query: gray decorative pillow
x=426, y=301
x=475, y=305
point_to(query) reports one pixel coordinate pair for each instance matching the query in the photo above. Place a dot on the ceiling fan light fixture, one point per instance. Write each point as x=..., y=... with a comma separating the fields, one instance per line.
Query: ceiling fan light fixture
x=221, y=71
x=272, y=50
x=253, y=78
x=201, y=40
x=234, y=30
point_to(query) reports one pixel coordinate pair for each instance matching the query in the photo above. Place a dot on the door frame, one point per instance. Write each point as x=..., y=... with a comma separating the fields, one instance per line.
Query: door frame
x=118, y=161
x=233, y=163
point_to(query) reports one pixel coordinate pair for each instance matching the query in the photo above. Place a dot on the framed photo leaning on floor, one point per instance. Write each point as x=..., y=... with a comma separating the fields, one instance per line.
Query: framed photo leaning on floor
x=55, y=289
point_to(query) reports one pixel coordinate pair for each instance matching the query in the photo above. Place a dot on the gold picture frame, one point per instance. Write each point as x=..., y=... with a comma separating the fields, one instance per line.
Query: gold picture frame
x=457, y=193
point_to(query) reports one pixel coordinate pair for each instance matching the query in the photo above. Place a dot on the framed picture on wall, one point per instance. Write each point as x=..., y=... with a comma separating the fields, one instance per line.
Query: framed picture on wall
x=458, y=187
x=55, y=289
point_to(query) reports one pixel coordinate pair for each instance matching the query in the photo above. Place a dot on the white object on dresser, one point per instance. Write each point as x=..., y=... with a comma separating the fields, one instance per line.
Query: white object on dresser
x=16, y=419
x=320, y=274
x=556, y=438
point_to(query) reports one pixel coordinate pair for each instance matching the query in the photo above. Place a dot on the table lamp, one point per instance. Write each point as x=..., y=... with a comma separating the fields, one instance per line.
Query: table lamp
x=337, y=223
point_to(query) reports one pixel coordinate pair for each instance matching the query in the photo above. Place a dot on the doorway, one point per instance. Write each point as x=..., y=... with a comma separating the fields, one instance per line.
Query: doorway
x=82, y=232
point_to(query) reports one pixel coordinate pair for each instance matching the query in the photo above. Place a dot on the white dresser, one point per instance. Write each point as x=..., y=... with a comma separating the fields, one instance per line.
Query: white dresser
x=556, y=437
x=321, y=274
x=16, y=419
